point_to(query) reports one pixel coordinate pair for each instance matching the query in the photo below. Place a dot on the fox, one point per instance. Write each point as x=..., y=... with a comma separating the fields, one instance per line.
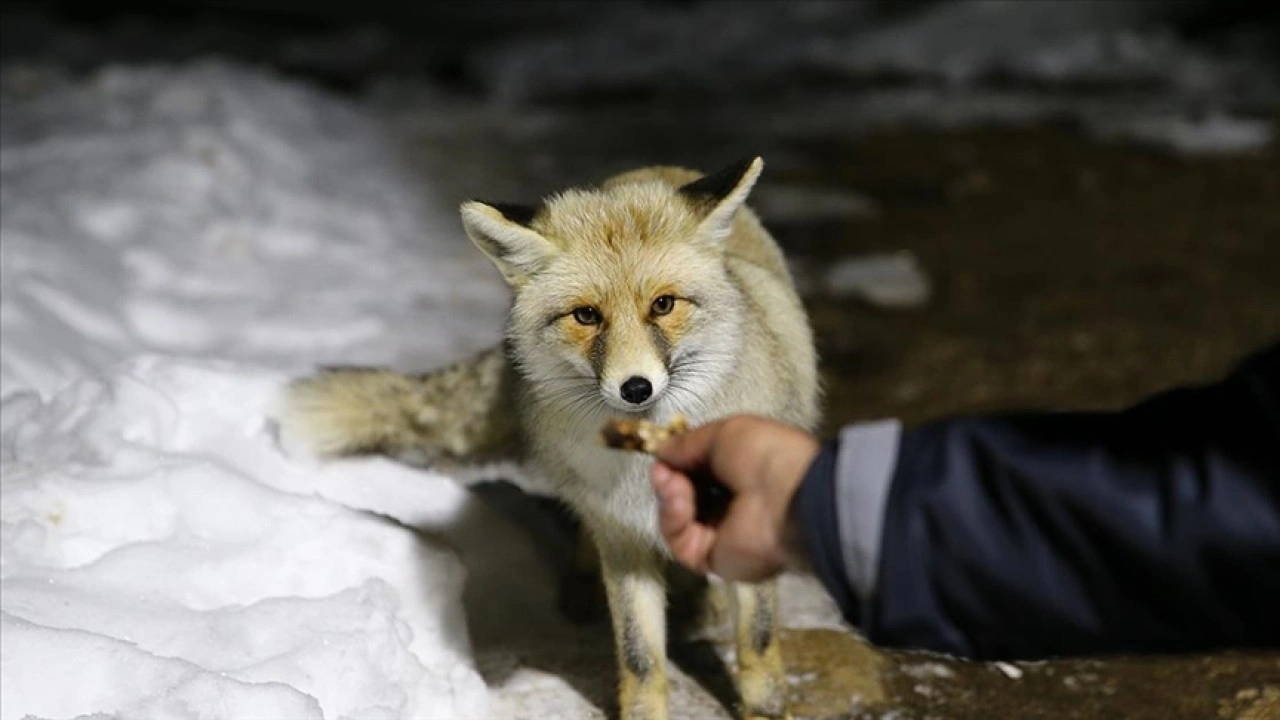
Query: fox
x=656, y=294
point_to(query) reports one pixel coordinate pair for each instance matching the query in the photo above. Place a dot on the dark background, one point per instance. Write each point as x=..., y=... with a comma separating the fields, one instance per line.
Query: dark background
x=441, y=41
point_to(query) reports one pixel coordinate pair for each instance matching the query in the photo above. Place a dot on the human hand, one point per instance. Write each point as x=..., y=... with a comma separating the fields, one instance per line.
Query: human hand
x=761, y=462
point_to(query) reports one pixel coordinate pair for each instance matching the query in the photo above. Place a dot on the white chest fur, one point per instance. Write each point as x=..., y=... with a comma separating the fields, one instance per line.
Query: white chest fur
x=608, y=487
x=611, y=486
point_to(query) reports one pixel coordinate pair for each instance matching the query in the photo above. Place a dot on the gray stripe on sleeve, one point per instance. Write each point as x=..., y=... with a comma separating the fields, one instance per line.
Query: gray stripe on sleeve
x=864, y=469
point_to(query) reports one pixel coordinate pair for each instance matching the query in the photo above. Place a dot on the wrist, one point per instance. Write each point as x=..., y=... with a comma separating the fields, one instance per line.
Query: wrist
x=789, y=469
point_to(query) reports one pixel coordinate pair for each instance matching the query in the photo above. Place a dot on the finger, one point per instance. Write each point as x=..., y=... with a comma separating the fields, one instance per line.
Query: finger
x=691, y=449
x=741, y=560
x=675, y=500
x=692, y=548
x=689, y=541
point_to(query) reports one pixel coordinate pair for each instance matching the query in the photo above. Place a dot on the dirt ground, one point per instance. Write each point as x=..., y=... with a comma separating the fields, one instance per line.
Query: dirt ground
x=1067, y=273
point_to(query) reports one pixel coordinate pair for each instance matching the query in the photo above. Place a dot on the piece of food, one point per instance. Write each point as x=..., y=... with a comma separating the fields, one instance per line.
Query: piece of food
x=641, y=435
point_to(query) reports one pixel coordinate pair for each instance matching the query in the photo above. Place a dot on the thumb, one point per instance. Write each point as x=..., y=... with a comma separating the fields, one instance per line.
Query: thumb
x=691, y=449
x=690, y=541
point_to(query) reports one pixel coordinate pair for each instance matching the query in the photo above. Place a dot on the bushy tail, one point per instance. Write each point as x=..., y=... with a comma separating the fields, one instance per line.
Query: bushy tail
x=461, y=413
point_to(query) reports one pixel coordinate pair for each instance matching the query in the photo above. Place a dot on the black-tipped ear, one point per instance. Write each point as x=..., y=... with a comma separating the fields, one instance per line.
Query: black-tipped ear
x=710, y=190
x=518, y=214
x=719, y=195
x=498, y=230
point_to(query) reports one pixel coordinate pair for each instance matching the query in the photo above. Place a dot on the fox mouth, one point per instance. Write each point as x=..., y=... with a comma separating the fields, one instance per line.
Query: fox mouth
x=616, y=403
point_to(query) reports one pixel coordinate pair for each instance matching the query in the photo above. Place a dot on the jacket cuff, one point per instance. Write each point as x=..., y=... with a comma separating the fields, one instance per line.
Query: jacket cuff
x=840, y=507
x=814, y=512
x=865, y=467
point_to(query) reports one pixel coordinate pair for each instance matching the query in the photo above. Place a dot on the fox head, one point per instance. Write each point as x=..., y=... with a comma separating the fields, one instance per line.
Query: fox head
x=621, y=293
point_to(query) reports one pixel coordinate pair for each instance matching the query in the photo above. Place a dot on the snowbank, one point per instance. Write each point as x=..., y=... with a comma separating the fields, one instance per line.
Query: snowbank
x=170, y=562
x=175, y=244
x=215, y=212
x=160, y=557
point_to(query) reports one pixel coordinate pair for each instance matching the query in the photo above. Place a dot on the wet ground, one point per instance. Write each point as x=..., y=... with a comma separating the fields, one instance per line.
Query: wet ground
x=1066, y=273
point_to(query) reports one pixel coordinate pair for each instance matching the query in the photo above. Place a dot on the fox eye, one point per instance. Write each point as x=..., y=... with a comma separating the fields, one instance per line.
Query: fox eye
x=663, y=305
x=587, y=315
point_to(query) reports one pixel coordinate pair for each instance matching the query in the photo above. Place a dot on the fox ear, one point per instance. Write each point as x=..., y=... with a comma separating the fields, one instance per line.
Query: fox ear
x=720, y=194
x=502, y=232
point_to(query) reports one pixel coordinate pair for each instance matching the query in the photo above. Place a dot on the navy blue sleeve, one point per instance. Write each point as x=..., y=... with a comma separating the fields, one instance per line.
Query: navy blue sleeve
x=814, y=510
x=1153, y=529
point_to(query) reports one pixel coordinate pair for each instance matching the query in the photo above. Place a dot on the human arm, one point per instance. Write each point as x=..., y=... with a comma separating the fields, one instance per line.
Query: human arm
x=1155, y=528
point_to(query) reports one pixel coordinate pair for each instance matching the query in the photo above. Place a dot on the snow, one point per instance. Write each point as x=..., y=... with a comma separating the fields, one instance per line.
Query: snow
x=927, y=670
x=778, y=203
x=214, y=212
x=1214, y=134
x=891, y=280
x=148, y=518
x=175, y=243
x=1011, y=671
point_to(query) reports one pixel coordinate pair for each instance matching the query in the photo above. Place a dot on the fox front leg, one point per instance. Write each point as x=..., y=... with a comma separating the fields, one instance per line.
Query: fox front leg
x=637, y=606
x=762, y=679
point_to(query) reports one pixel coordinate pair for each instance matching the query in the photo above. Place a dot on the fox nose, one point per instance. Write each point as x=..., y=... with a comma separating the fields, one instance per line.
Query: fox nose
x=636, y=390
